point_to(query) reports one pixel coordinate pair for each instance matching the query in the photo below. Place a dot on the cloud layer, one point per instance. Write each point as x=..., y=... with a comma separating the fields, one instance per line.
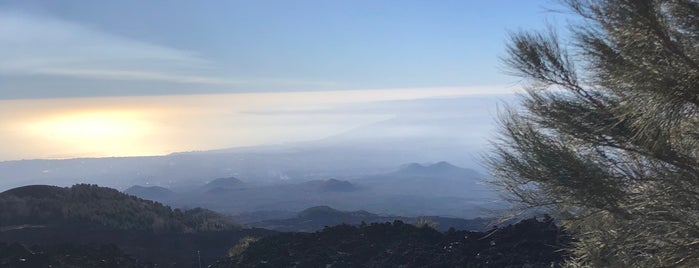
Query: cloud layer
x=33, y=45
x=42, y=56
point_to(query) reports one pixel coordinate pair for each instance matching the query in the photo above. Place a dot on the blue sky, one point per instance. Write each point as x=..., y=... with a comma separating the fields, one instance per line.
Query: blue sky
x=123, y=48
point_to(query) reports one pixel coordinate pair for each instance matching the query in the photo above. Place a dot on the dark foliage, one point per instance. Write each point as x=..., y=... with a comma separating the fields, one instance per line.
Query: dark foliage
x=530, y=243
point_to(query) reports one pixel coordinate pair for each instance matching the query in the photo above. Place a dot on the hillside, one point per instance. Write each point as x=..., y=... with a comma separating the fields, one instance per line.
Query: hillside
x=224, y=184
x=441, y=168
x=100, y=207
x=85, y=219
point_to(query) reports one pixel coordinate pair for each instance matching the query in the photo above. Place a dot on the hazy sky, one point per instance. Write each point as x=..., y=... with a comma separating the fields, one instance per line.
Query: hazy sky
x=156, y=125
x=81, y=51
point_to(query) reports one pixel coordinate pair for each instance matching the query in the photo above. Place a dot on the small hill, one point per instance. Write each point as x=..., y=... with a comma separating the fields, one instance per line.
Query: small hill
x=99, y=207
x=150, y=192
x=35, y=191
x=438, y=180
x=442, y=168
x=223, y=184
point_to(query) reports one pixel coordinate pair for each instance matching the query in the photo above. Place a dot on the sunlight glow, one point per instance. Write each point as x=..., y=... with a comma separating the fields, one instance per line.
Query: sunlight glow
x=111, y=132
x=91, y=126
x=157, y=125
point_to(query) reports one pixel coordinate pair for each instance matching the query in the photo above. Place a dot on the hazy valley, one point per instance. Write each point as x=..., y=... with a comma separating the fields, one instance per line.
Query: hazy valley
x=101, y=227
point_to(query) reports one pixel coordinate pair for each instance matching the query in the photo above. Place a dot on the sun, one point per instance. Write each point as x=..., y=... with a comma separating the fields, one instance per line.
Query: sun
x=100, y=132
x=92, y=126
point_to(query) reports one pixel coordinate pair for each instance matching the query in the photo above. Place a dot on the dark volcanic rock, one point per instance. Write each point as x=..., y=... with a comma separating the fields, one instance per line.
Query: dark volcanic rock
x=530, y=243
x=17, y=255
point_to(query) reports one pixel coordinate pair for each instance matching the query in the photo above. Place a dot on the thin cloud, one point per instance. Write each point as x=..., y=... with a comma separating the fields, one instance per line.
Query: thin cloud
x=155, y=76
x=31, y=44
x=136, y=75
x=38, y=45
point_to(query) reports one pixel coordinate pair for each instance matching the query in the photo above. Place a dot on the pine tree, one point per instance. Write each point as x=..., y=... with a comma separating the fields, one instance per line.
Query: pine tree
x=607, y=136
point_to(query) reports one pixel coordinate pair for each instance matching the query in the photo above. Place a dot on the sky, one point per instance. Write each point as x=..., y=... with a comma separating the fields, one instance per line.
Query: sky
x=102, y=78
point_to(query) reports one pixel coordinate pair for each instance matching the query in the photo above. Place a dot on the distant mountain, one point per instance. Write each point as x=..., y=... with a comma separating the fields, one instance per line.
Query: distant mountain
x=316, y=218
x=439, y=189
x=150, y=192
x=442, y=168
x=438, y=179
x=100, y=207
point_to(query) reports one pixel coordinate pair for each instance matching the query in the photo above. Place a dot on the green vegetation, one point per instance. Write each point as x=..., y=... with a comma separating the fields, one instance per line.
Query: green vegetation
x=609, y=134
x=102, y=207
